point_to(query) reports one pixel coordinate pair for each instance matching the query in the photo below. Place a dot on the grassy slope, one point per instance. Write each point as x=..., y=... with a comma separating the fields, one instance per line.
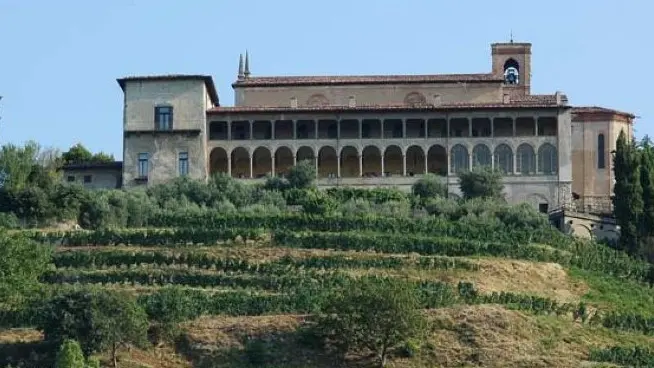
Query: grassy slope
x=487, y=336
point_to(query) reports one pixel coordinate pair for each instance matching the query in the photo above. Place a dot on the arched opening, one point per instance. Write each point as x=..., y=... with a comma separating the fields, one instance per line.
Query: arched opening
x=547, y=161
x=481, y=156
x=218, y=162
x=526, y=159
x=240, y=163
x=460, y=159
x=261, y=162
x=437, y=160
x=327, y=161
x=393, y=163
x=415, y=161
x=504, y=159
x=283, y=161
x=511, y=72
x=371, y=162
x=350, y=162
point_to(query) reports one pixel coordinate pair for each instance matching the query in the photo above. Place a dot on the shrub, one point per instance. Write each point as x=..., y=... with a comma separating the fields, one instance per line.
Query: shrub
x=429, y=186
x=484, y=183
x=70, y=355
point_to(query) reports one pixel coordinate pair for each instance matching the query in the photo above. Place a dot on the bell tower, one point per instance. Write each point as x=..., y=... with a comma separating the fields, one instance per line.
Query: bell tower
x=512, y=62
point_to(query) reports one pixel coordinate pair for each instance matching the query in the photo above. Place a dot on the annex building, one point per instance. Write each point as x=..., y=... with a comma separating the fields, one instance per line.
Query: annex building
x=376, y=130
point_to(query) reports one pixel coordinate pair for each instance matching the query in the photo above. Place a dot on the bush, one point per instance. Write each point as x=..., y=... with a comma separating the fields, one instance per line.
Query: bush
x=484, y=183
x=429, y=186
x=70, y=355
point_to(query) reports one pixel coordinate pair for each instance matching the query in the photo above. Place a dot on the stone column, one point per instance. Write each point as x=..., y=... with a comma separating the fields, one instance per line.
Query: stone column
x=229, y=165
x=251, y=129
x=382, y=165
x=426, y=163
x=272, y=129
x=360, y=165
x=229, y=130
x=251, y=160
x=403, y=164
x=338, y=165
x=272, y=165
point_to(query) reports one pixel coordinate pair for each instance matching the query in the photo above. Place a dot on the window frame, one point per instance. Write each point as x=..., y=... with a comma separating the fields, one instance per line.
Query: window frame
x=162, y=124
x=182, y=163
x=143, y=164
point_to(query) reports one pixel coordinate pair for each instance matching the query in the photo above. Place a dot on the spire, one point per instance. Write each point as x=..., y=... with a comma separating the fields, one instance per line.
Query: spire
x=511, y=37
x=240, y=67
x=247, y=65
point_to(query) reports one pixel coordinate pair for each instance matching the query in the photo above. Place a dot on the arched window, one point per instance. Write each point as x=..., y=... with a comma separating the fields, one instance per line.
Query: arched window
x=511, y=72
x=547, y=161
x=504, y=158
x=481, y=156
x=526, y=158
x=601, y=161
x=460, y=159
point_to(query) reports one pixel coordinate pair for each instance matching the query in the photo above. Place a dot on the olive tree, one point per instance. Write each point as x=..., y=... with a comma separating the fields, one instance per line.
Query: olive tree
x=374, y=315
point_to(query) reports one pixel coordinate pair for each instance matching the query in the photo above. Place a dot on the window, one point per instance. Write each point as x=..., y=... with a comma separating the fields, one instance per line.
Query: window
x=70, y=179
x=481, y=156
x=183, y=163
x=526, y=159
x=163, y=117
x=547, y=159
x=504, y=158
x=601, y=163
x=143, y=165
x=543, y=207
x=460, y=159
x=87, y=179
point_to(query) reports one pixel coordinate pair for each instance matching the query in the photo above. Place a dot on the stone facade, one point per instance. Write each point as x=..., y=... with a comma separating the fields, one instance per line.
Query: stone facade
x=106, y=175
x=368, y=130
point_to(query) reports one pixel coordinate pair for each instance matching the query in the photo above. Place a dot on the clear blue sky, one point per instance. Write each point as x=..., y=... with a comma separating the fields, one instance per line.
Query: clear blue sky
x=59, y=60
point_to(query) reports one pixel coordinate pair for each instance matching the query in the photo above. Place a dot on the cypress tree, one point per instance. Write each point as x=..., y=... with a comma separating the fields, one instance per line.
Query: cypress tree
x=647, y=183
x=628, y=194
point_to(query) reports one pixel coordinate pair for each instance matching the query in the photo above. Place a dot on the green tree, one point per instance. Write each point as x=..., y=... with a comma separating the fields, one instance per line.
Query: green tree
x=481, y=183
x=302, y=175
x=22, y=262
x=374, y=315
x=647, y=183
x=17, y=164
x=628, y=194
x=70, y=355
x=98, y=320
x=429, y=186
x=78, y=154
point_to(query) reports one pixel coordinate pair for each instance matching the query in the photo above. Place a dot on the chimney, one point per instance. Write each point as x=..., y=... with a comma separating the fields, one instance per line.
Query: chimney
x=352, y=102
x=294, y=102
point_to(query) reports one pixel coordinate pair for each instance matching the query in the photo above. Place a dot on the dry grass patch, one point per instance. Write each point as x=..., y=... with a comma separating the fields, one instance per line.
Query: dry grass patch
x=16, y=335
x=492, y=336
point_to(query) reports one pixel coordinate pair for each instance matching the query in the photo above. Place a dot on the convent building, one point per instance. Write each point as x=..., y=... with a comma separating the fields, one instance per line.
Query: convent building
x=375, y=130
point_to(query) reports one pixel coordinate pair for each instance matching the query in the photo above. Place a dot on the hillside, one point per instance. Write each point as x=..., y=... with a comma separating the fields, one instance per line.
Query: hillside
x=243, y=285
x=522, y=313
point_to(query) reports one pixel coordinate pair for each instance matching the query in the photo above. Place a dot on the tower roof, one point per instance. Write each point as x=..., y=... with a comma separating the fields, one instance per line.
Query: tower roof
x=208, y=81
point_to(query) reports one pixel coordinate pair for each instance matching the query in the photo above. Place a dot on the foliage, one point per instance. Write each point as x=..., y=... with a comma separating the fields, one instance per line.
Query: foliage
x=635, y=356
x=21, y=264
x=78, y=154
x=98, y=320
x=70, y=355
x=481, y=183
x=628, y=193
x=371, y=316
x=429, y=186
x=302, y=175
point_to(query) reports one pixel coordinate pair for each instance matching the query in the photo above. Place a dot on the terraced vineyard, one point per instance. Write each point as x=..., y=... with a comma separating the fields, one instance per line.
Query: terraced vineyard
x=495, y=296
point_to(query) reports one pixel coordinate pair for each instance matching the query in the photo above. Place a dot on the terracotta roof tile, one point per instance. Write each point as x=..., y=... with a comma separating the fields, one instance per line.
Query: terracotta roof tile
x=364, y=108
x=363, y=79
x=208, y=80
x=600, y=110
